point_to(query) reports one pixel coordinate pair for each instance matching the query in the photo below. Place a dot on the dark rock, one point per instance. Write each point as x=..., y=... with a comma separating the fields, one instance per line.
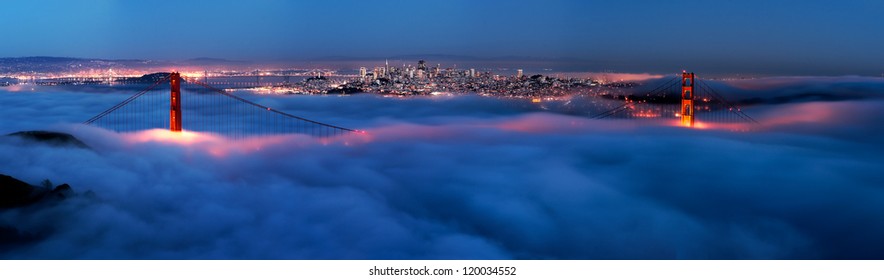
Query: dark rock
x=27, y=198
x=62, y=191
x=15, y=193
x=53, y=138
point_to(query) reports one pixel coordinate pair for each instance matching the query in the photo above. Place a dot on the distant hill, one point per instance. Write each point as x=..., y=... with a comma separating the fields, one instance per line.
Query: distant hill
x=50, y=137
x=445, y=57
x=48, y=64
x=214, y=61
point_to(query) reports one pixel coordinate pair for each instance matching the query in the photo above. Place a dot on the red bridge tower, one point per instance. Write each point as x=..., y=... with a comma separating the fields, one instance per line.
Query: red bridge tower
x=687, y=99
x=175, y=110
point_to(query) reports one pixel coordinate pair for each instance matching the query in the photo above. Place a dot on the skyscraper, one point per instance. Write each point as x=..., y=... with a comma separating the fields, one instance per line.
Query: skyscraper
x=519, y=74
x=362, y=72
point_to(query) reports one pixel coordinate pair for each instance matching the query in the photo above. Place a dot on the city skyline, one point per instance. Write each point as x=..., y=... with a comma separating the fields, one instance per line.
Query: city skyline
x=754, y=37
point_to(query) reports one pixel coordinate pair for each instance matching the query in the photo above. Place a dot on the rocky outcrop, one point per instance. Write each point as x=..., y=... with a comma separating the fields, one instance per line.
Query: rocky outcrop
x=15, y=193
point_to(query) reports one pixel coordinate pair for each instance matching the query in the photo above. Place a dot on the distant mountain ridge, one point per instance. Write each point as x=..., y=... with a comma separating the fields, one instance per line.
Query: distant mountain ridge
x=49, y=64
x=445, y=57
x=215, y=60
x=62, y=59
x=11, y=66
x=52, y=64
x=57, y=59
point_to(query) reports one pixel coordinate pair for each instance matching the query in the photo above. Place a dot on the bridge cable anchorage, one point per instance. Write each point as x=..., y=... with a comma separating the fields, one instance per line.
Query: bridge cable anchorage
x=121, y=104
x=730, y=105
x=240, y=99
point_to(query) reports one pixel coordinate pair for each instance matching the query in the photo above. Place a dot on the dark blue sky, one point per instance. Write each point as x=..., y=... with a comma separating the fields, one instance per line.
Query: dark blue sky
x=774, y=37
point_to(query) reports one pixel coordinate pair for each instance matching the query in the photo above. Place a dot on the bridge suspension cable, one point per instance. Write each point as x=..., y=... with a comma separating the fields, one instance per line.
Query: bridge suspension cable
x=207, y=109
x=663, y=88
x=127, y=101
x=711, y=106
x=625, y=106
x=735, y=109
x=659, y=91
x=237, y=98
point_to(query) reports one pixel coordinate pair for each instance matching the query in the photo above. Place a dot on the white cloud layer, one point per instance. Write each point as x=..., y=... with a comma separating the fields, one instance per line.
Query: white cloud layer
x=461, y=178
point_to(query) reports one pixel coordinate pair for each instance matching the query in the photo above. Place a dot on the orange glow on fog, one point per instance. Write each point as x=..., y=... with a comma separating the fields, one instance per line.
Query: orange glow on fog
x=541, y=124
x=165, y=136
x=815, y=112
x=735, y=127
x=550, y=123
x=18, y=88
x=220, y=146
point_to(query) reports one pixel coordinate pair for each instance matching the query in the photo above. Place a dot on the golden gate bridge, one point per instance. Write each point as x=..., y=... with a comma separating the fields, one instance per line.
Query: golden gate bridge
x=210, y=109
x=206, y=109
x=684, y=97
